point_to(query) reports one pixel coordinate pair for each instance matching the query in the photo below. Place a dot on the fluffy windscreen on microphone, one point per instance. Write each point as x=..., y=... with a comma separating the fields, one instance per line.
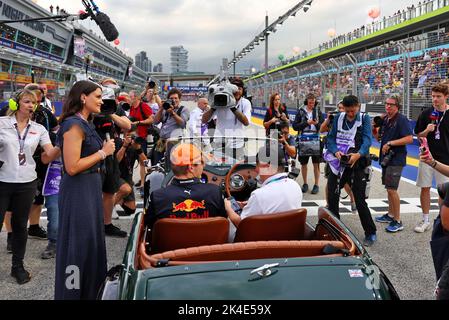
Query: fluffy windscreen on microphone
x=107, y=27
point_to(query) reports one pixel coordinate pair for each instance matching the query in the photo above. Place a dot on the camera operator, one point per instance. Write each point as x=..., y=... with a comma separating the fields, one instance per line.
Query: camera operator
x=440, y=235
x=326, y=127
x=130, y=151
x=395, y=134
x=108, y=125
x=173, y=117
x=433, y=124
x=143, y=118
x=307, y=122
x=232, y=121
x=276, y=114
x=348, y=157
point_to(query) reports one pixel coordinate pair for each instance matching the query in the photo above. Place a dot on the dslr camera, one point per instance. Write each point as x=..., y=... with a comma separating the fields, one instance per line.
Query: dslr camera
x=168, y=104
x=332, y=115
x=387, y=158
x=378, y=122
x=344, y=161
x=221, y=96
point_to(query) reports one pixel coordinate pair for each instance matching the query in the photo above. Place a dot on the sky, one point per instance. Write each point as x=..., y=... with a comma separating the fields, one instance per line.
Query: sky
x=212, y=30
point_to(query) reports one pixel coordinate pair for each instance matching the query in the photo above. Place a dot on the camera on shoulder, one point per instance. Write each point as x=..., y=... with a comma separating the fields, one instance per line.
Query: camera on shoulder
x=221, y=96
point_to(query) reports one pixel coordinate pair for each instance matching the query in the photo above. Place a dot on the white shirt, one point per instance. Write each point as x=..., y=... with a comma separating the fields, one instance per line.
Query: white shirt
x=12, y=172
x=277, y=194
x=195, y=122
x=47, y=104
x=229, y=125
x=310, y=117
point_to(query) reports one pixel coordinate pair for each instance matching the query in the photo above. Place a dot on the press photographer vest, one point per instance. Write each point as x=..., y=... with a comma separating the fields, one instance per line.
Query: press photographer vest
x=346, y=139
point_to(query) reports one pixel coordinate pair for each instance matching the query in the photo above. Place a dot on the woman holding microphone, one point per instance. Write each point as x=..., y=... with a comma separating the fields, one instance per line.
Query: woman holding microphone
x=81, y=250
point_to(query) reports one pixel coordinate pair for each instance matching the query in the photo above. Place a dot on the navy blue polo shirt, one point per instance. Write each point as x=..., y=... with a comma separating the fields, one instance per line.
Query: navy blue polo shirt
x=394, y=129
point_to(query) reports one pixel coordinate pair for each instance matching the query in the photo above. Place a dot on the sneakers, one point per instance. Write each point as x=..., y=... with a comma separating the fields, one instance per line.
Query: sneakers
x=353, y=207
x=305, y=188
x=20, y=274
x=9, y=243
x=37, y=232
x=384, y=219
x=394, y=226
x=113, y=231
x=49, y=252
x=315, y=189
x=423, y=227
x=369, y=240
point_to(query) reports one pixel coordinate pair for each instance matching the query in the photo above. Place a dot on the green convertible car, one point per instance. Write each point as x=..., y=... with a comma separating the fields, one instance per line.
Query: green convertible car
x=273, y=257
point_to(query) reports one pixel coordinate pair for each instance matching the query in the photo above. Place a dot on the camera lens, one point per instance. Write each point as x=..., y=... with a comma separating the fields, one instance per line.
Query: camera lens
x=152, y=84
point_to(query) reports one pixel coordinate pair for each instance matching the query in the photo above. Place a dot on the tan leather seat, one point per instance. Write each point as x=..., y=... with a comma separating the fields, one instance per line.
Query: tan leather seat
x=172, y=234
x=239, y=251
x=279, y=226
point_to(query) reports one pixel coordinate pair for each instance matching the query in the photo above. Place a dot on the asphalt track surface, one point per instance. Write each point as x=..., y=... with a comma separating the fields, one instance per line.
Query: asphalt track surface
x=405, y=257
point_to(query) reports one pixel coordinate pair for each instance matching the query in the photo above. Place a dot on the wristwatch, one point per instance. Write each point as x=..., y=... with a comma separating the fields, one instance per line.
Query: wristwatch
x=389, y=144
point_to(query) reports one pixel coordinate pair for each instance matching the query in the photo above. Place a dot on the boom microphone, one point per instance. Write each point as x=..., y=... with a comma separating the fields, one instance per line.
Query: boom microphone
x=102, y=20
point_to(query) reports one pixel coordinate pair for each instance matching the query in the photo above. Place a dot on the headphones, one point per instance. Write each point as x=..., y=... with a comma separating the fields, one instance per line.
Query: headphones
x=306, y=102
x=13, y=102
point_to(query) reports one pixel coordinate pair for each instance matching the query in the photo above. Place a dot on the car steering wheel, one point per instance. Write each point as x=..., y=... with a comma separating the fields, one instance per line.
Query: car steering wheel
x=228, y=178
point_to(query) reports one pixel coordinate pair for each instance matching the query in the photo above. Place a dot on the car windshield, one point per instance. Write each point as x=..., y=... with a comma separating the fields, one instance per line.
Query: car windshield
x=225, y=151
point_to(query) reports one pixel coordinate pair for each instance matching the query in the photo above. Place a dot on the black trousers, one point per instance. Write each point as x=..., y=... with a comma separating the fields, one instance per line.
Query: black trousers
x=18, y=197
x=358, y=186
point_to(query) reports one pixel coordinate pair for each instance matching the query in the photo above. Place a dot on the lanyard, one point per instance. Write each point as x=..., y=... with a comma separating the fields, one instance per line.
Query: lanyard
x=22, y=140
x=277, y=180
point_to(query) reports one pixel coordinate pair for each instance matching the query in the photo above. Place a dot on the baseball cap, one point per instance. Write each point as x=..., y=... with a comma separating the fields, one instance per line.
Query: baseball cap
x=185, y=154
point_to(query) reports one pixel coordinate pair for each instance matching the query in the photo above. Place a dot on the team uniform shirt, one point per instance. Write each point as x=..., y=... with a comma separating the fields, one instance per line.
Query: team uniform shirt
x=229, y=125
x=12, y=172
x=263, y=200
x=277, y=194
x=136, y=113
x=186, y=199
x=196, y=126
x=394, y=129
x=438, y=147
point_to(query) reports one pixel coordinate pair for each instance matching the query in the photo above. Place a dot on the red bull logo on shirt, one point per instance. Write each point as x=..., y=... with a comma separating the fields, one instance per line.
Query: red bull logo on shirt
x=189, y=206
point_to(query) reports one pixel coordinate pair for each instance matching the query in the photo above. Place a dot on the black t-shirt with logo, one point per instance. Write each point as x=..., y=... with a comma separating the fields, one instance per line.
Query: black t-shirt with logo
x=438, y=147
x=186, y=199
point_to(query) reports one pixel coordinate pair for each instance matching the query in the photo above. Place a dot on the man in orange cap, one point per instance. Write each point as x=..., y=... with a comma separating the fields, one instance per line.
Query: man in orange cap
x=187, y=197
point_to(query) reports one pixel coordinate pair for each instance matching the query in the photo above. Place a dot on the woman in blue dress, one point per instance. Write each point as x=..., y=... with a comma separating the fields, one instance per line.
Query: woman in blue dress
x=81, y=251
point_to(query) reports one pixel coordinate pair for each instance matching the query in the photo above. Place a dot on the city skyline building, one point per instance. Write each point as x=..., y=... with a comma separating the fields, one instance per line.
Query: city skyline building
x=179, y=59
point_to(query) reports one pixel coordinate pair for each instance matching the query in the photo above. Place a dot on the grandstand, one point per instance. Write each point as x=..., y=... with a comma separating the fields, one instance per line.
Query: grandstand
x=405, y=54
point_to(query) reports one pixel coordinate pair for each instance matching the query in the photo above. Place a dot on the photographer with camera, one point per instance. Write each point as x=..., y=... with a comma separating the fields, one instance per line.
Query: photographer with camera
x=286, y=140
x=130, y=151
x=308, y=122
x=276, y=114
x=348, y=156
x=326, y=127
x=395, y=134
x=108, y=124
x=173, y=117
x=433, y=124
x=233, y=115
